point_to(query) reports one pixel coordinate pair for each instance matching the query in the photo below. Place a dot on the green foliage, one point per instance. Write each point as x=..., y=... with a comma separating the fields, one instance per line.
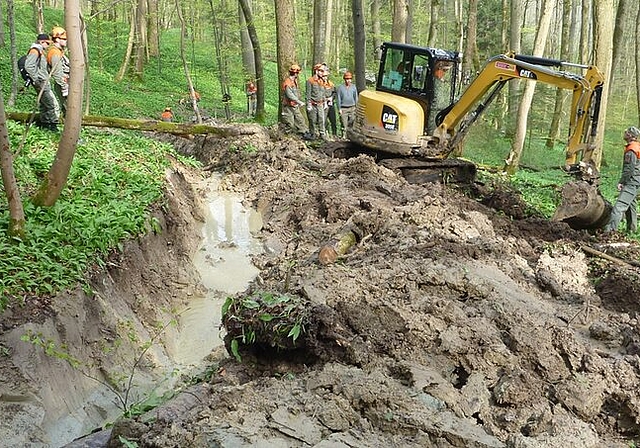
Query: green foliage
x=50, y=348
x=115, y=178
x=127, y=443
x=266, y=318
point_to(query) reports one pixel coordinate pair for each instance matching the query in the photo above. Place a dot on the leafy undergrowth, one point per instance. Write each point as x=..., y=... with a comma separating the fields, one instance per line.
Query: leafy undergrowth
x=115, y=178
x=264, y=319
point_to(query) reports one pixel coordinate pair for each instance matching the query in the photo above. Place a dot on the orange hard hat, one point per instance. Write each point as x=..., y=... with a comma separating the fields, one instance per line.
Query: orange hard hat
x=347, y=75
x=59, y=32
x=295, y=68
x=318, y=66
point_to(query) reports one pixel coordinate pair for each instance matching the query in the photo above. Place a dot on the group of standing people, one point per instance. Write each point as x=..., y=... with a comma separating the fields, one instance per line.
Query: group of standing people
x=321, y=98
x=47, y=64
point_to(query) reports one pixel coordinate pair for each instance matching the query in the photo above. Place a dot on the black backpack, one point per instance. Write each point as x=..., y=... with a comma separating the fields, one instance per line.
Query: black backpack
x=23, y=72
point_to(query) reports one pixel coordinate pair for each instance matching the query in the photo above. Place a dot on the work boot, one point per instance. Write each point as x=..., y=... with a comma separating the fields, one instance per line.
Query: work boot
x=53, y=127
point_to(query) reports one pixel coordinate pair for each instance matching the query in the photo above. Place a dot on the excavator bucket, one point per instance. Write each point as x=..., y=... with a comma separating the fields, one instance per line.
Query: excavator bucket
x=583, y=206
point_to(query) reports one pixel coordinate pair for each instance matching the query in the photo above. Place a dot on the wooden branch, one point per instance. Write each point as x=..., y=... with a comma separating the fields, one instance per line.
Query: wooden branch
x=591, y=251
x=154, y=125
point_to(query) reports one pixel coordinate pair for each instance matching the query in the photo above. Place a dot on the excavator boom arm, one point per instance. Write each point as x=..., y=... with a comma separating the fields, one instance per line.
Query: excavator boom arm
x=499, y=69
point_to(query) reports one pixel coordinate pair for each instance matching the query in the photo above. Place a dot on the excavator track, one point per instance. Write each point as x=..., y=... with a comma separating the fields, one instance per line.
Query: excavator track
x=417, y=170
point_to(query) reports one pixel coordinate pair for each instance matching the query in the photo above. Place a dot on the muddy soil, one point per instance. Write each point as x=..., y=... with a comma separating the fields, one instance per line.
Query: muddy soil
x=458, y=319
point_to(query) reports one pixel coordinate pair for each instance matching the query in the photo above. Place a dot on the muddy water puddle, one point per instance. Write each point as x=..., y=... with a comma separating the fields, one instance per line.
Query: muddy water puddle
x=224, y=263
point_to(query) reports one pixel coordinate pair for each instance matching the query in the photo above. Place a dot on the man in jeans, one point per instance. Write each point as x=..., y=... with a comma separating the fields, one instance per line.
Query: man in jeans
x=347, y=98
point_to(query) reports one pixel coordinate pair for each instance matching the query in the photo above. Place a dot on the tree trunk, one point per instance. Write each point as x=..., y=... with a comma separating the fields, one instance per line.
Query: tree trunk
x=56, y=179
x=257, y=60
x=409, y=26
x=399, y=25
x=359, y=44
x=13, y=51
x=141, y=38
x=620, y=35
x=513, y=161
x=375, y=27
x=561, y=94
x=637, y=59
x=218, y=32
x=155, y=125
x=11, y=191
x=585, y=35
x=319, y=28
x=470, y=61
x=515, y=41
x=153, y=36
x=192, y=93
x=434, y=23
x=87, y=80
x=127, y=54
x=603, y=48
x=248, y=59
x=38, y=15
x=329, y=56
x=285, y=36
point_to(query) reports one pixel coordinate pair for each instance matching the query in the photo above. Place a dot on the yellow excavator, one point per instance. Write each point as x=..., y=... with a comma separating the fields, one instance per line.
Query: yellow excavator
x=416, y=117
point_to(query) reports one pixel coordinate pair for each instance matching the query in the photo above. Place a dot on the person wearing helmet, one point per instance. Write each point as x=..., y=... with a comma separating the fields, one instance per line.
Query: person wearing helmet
x=36, y=66
x=167, y=114
x=628, y=184
x=317, y=102
x=292, y=118
x=330, y=110
x=346, y=99
x=59, y=66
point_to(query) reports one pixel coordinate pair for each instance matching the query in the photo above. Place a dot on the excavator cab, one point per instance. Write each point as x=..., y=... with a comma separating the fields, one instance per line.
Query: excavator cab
x=414, y=84
x=427, y=75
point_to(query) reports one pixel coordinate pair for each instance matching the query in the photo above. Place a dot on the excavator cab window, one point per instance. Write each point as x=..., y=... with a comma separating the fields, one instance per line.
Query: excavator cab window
x=394, y=70
x=427, y=75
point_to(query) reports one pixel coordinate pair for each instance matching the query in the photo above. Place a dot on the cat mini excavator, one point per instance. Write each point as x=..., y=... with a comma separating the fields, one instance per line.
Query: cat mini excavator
x=416, y=118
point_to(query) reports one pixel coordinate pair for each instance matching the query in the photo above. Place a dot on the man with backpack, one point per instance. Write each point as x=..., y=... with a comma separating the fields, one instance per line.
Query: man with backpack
x=36, y=67
x=59, y=66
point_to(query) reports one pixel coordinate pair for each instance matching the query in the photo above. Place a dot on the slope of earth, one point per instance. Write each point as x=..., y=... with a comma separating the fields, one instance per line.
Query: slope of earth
x=454, y=321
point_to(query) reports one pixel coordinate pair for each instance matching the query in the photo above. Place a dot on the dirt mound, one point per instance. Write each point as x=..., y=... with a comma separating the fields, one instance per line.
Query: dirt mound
x=457, y=319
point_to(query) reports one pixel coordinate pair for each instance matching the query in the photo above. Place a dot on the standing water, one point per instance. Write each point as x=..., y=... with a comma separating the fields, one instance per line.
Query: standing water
x=224, y=263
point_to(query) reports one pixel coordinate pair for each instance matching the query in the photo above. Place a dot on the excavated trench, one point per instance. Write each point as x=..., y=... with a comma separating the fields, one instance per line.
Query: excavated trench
x=58, y=403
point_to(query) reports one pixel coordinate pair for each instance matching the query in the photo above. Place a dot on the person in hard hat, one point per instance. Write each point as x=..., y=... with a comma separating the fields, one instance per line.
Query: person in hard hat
x=252, y=97
x=346, y=100
x=59, y=66
x=167, y=114
x=316, y=94
x=35, y=65
x=628, y=184
x=441, y=91
x=292, y=117
x=330, y=109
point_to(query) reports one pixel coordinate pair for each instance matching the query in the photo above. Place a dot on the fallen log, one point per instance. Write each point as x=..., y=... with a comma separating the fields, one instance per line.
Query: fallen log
x=337, y=247
x=583, y=206
x=231, y=130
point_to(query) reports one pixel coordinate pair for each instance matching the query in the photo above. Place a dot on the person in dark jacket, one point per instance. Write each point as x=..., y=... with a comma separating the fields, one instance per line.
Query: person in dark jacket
x=628, y=184
x=36, y=66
